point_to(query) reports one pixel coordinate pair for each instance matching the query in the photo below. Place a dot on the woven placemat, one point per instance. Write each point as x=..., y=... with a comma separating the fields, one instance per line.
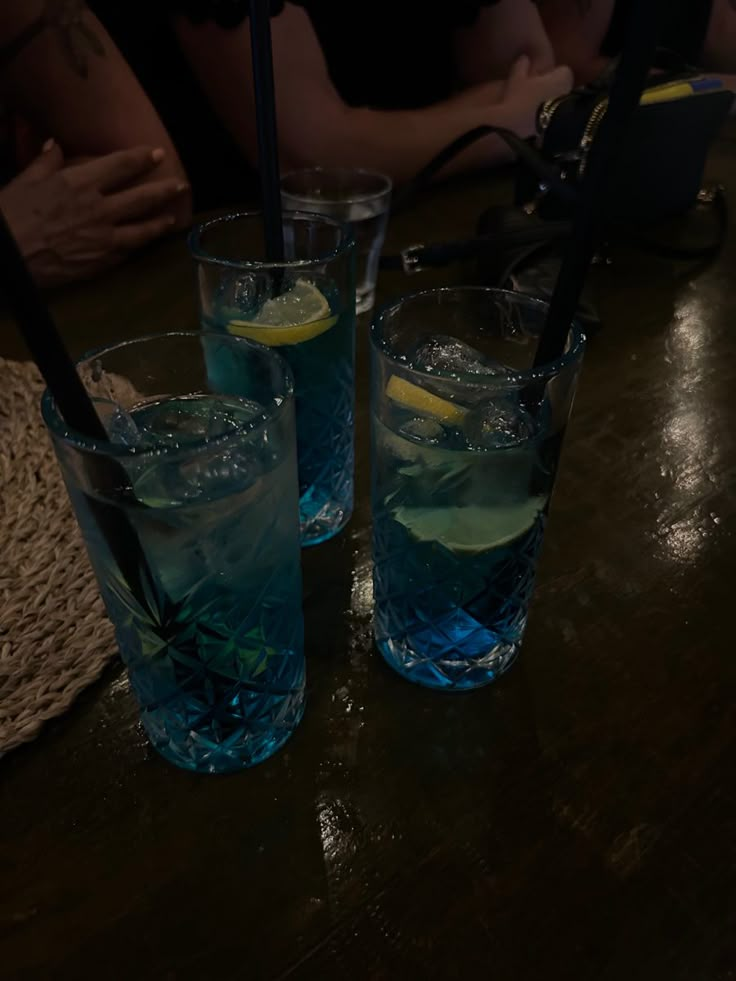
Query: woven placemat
x=54, y=636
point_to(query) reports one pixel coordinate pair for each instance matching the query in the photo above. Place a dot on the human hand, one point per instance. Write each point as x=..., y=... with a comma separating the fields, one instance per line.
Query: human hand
x=72, y=221
x=524, y=93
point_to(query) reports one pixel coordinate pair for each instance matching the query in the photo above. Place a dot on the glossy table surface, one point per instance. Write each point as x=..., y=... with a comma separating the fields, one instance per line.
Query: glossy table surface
x=575, y=821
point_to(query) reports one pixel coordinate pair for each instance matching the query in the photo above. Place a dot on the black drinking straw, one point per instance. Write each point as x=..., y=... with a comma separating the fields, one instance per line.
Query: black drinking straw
x=631, y=75
x=75, y=406
x=268, y=150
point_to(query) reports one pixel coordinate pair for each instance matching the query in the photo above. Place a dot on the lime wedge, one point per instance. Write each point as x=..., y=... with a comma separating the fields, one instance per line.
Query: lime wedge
x=291, y=318
x=471, y=529
x=426, y=404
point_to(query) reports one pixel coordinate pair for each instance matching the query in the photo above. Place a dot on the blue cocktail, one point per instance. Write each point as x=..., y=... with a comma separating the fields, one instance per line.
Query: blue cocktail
x=212, y=634
x=466, y=442
x=305, y=309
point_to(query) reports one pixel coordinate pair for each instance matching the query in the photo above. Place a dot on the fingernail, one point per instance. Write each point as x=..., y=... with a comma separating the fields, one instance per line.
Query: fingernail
x=181, y=187
x=158, y=154
x=171, y=220
x=48, y=145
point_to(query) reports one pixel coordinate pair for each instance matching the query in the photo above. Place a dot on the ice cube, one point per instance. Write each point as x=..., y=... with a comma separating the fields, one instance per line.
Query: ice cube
x=499, y=423
x=188, y=420
x=423, y=431
x=240, y=294
x=205, y=477
x=443, y=353
x=122, y=428
x=212, y=472
x=219, y=473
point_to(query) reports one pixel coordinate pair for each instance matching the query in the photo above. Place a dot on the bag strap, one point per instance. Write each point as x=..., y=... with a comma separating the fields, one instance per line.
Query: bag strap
x=521, y=244
x=527, y=154
x=415, y=258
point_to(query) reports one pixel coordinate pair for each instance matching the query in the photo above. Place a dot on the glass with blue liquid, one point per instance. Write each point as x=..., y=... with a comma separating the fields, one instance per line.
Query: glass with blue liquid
x=303, y=308
x=466, y=439
x=206, y=600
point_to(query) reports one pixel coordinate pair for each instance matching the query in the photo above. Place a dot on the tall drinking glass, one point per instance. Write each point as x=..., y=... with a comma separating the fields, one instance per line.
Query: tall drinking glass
x=359, y=198
x=466, y=440
x=304, y=308
x=200, y=471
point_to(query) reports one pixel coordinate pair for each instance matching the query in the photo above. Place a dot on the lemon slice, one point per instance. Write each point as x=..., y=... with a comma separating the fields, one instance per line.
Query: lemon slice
x=413, y=397
x=471, y=529
x=292, y=318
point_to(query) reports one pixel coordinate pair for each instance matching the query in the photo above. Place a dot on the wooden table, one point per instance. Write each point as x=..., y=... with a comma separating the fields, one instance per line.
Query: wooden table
x=577, y=820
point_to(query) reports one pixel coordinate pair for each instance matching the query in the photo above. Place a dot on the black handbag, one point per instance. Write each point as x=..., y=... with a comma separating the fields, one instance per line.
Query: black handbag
x=658, y=176
x=659, y=171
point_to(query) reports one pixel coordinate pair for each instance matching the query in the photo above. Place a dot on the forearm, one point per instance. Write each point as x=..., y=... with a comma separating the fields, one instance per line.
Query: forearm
x=89, y=101
x=479, y=96
x=395, y=143
x=316, y=127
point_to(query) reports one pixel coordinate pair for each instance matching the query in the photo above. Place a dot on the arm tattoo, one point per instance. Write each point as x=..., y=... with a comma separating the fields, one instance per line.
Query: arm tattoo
x=66, y=20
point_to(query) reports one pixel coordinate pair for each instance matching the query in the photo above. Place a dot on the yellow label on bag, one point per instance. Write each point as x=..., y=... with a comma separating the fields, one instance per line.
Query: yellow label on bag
x=667, y=93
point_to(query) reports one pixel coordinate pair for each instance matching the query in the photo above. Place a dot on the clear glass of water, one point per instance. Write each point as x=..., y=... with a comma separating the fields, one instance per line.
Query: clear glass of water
x=359, y=198
x=304, y=308
x=466, y=438
x=198, y=485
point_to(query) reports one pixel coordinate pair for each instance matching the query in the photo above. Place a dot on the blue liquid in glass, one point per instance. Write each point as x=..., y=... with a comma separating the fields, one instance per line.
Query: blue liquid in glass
x=216, y=661
x=324, y=387
x=323, y=368
x=457, y=531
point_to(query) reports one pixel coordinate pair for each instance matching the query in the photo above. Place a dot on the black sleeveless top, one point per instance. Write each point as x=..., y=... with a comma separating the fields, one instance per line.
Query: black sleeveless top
x=386, y=54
